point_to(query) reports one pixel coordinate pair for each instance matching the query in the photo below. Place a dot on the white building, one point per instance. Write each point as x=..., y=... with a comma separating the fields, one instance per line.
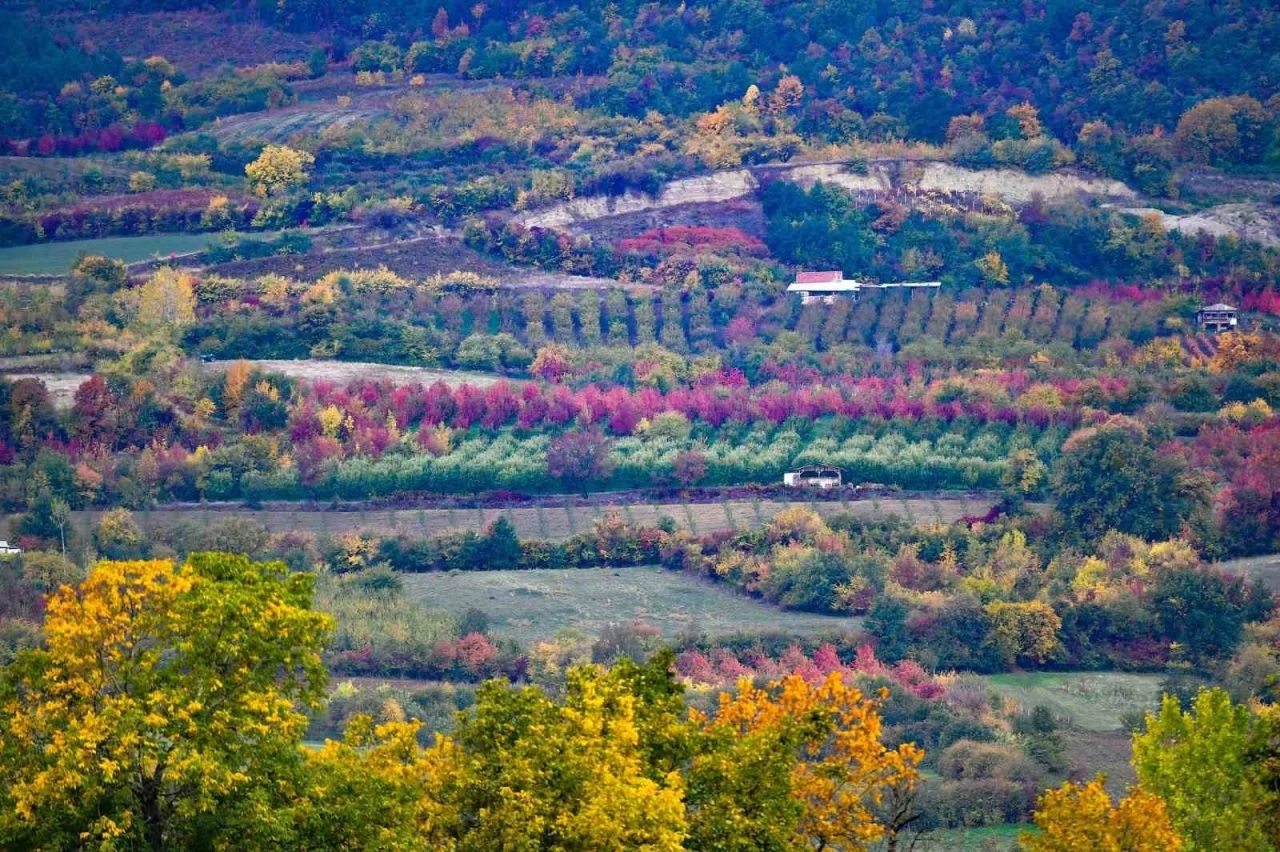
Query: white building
x=823, y=286
x=814, y=476
x=7, y=549
x=826, y=286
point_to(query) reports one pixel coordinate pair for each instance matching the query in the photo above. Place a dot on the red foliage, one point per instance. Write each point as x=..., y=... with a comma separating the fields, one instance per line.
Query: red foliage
x=144, y=134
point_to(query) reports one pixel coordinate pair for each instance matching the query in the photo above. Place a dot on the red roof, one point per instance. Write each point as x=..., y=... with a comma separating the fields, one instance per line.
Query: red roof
x=819, y=277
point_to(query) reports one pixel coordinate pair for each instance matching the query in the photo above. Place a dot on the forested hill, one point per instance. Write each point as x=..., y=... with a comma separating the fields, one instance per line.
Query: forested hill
x=903, y=68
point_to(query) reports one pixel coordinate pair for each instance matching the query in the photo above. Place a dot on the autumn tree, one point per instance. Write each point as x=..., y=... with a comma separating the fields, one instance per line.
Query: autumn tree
x=166, y=301
x=690, y=467
x=278, y=169
x=162, y=707
x=579, y=457
x=1023, y=631
x=1082, y=818
x=1224, y=130
x=836, y=771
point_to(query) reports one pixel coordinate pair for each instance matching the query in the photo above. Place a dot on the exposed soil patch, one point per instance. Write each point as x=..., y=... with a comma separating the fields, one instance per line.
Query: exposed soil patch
x=345, y=372
x=746, y=214
x=62, y=386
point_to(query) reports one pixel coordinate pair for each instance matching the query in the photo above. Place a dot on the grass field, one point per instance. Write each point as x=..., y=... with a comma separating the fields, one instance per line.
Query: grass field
x=1090, y=701
x=1264, y=568
x=534, y=605
x=550, y=523
x=56, y=258
x=997, y=838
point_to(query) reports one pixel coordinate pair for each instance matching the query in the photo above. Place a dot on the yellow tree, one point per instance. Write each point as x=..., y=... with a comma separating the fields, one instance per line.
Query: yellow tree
x=523, y=772
x=1023, y=630
x=278, y=169
x=166, y=300
x=1081, y=818
x=163, y=706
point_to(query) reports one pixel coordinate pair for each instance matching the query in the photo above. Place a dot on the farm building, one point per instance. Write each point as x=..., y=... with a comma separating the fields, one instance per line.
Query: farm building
x=7, y=549
x=826, y=286
x=1217, y=318
x=814, y=476
x=822, y=286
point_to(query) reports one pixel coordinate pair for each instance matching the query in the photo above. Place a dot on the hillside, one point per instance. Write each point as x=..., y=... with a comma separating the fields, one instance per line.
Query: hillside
x=647, y=427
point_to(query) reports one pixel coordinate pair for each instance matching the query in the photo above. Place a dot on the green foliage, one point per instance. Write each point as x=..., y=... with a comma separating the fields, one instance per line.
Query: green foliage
x=1111, y=478
x=1197, y=761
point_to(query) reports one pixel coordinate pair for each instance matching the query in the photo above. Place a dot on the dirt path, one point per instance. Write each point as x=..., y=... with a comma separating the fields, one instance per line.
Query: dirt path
x=550, y=523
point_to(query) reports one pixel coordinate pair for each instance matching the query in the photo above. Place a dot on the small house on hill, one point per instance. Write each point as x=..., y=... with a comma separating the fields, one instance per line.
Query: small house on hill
x=1217, y=318
x=814, y=476
x=823, y=286
x=826, y=286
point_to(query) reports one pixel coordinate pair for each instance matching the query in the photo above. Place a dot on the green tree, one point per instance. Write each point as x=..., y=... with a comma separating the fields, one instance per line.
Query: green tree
x=1198, y=762
x=1110, y=477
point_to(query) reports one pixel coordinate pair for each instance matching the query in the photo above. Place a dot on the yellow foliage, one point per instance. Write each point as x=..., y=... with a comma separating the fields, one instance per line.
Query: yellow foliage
x=142, y=182
x=1238, y=348
x=278, y=169
x=796, y=523
x=842, y=768
x=163, y=691
x=1028, y=119
x=993, y=268
x=166, y=300
x=1161, y=352
x=1251, y=414
x=1081, y=818
x=1026, y=630
x=234, y=383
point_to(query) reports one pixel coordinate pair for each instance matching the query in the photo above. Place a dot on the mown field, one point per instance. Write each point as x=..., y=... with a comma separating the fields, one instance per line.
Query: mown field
x=533, y=606
x=1089, y=701
x=999, y=838
x=56, y=258
x=549, y=523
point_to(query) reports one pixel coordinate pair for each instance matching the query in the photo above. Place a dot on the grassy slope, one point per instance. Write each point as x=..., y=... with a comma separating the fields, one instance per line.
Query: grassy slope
x=535, y=605
x=999, y=838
